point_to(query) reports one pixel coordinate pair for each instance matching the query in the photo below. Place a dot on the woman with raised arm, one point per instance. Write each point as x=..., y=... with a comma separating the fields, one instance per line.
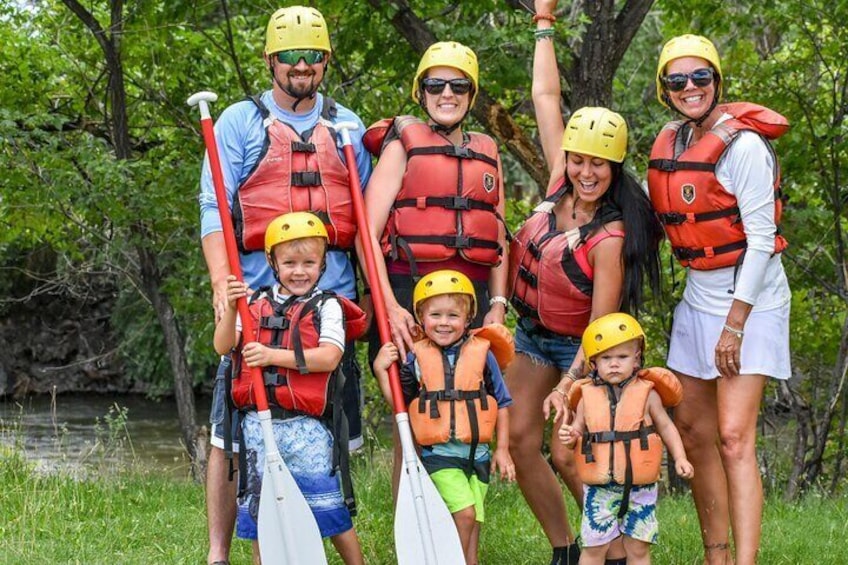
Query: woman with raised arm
x=715, y=184
x=569, y=264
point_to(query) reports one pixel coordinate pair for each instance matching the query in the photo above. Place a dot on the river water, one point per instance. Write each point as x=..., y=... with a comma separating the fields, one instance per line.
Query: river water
x=84, y=433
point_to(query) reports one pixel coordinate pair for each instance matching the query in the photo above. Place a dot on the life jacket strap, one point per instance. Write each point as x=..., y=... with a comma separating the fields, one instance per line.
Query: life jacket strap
x=690, y=253
x=672, y=165
x=449, y=202
x=677, y=218
x=452, y=151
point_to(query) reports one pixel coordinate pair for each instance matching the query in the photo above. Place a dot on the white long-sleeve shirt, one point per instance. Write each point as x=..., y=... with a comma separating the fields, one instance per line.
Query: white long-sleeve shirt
x=746, y=170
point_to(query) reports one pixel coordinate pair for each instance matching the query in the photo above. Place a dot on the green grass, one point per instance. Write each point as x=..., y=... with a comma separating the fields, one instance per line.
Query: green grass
x=131, y=516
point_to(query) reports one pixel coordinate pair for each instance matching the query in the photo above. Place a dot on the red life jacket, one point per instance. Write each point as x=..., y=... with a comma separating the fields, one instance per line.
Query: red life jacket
x=295, y=174
x=447, y=204
x=550, y=280
x=453, y=401
x=293, y=325
x=701, y=218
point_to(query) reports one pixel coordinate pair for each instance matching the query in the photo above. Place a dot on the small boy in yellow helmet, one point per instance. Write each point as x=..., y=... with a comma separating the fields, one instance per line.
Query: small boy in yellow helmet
x=618, y=432
x=457, y=398
x=302, y=332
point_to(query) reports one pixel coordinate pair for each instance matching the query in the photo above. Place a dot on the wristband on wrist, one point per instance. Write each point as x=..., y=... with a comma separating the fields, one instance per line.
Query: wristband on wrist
x=544, y=33
x=558, y=390
x=498, y=300
x=734, y=331
x=549, y=17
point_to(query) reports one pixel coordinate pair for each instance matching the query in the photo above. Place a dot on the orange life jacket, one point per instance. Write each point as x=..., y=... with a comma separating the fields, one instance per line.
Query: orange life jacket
x=550, y=278
x=447, y=204
x=295, y=174
x=453, y=401
x=293, y=325
x=701, y=218
x=616, y=445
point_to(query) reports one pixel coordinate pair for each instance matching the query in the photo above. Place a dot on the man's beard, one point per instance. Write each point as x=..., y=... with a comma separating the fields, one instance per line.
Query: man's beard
x=301, y=89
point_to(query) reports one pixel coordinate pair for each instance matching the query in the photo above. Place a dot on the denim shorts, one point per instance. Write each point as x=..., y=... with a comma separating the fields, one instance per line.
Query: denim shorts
x=545, y=347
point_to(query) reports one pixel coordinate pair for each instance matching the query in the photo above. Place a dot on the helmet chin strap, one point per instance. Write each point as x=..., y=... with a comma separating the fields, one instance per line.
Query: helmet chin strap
x=437, y=127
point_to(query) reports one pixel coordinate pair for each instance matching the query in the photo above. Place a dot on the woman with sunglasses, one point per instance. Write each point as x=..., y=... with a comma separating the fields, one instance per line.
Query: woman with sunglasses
x=714, y=182
x=570, y=263
x=437, y=200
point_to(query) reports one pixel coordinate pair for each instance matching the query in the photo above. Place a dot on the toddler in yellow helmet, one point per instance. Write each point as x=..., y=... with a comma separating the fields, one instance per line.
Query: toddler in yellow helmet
x=301, y=336
x=618, y=431
x=457, y=398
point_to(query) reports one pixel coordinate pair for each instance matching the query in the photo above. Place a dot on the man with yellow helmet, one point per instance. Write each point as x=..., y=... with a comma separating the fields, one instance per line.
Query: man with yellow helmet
x=714, y=181
x=270, y=169
x=569, y=264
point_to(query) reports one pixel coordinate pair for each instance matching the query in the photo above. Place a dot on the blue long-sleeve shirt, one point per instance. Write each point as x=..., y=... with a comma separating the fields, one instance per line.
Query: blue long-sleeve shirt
x=241, y=136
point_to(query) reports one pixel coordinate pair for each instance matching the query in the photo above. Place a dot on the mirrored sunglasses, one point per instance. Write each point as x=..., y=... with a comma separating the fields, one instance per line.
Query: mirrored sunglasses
x=458, y=86
x=676, y=82
x=293, y=56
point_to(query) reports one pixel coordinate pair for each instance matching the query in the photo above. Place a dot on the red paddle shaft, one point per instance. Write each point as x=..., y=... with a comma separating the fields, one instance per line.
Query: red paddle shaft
x=364, y=234
x=201, y=99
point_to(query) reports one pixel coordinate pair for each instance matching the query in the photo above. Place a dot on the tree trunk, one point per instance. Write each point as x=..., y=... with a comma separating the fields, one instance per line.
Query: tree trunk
x=149, y=273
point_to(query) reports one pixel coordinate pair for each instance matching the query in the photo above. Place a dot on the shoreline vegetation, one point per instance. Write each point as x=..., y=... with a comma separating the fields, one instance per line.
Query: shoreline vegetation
x=125, y=514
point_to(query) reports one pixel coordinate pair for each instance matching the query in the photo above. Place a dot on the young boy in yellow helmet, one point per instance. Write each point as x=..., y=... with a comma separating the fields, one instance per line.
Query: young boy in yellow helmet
x=620, y=418
x=457, y=398
x=300, y=342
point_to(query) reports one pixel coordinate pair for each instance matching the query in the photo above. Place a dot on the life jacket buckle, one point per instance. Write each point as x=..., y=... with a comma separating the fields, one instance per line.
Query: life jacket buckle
x=458, y=203
x=462, y=152
x=673, y=218
x=461, y=242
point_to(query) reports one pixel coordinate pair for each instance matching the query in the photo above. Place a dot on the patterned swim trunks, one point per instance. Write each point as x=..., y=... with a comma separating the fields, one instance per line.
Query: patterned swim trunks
x=306, y=446
x=601, y=523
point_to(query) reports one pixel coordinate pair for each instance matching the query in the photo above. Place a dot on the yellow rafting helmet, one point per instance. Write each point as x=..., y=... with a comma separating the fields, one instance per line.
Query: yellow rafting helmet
x=598, y=132
x=608, y=331
x=291, y=226
x=447, y=54
x=442, y=282
x=687, y=46
x=296, y=27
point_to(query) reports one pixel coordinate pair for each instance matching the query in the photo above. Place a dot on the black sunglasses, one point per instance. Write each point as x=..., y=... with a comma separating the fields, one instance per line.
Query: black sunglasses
x=676, y=82
x=293, y=56
x=435, y=86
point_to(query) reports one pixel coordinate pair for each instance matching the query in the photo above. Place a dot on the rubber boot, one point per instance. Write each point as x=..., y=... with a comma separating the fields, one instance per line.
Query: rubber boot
x=568, y=555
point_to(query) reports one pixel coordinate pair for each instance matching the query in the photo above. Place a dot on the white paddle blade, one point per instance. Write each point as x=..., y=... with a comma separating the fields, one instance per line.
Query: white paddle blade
x=288, y=532
x=412, y=536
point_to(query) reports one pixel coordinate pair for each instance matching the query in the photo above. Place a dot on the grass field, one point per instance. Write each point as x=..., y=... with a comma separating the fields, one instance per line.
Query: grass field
x=130, y=516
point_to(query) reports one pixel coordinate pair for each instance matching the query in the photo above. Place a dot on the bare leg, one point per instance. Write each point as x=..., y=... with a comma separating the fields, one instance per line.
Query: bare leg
x=696, y=418
x=472, y=557
x=347, y=544
x=257, y=558
x=529, y=384
x=638, y=552
x=465, y=520
x=220, y=505
x=564, y=463
x=593, y=555
x=739, y=402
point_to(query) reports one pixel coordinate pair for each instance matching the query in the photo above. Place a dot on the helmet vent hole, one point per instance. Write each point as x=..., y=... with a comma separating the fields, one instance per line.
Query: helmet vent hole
x=599, y=337
x=622, y=327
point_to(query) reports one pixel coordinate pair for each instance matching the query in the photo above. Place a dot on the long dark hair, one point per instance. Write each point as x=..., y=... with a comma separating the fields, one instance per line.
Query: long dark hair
x=627, y=201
